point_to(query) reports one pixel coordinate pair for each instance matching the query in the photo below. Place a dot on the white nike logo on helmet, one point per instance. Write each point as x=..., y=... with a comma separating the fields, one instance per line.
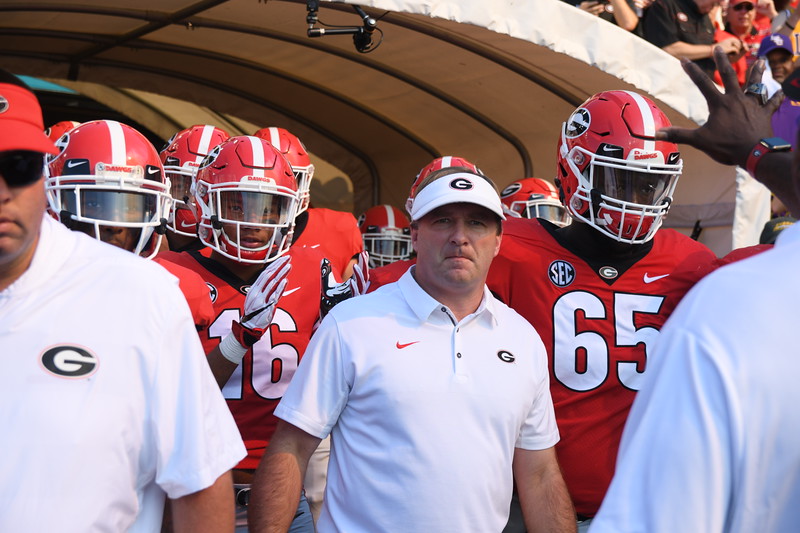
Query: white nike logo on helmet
x=152, y=170
x=72, y=163
x=290, y=291
x=651, y=279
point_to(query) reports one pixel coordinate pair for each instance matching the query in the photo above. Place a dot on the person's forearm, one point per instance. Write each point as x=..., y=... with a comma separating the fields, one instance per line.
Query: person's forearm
x=689, y=51
x=625, y=17
x=550, y=509
x=273, y=503
x=775, y=172
x=544, y=499
x=791, y=21
x=209, y=510
x=277, y=485
x=221, y=367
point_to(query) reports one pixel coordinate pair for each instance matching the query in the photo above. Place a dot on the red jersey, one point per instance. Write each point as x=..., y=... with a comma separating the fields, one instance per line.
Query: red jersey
x=195, y=291
x=742, y=253
x=598, y=325
x=336, y=233
x=256, y=387
x=388, y=273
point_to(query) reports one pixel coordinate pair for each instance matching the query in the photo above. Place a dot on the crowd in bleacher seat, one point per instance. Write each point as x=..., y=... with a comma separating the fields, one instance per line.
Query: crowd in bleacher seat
x=691, y=28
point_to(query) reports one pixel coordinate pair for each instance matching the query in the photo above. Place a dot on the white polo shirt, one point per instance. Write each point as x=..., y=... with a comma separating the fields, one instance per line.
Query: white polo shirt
x=712, y=442
x=106, y=400
x=424, y=412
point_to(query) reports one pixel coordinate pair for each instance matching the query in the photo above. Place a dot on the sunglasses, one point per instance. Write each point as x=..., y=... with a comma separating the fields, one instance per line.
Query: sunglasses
x=744, y=6
x=20, y=168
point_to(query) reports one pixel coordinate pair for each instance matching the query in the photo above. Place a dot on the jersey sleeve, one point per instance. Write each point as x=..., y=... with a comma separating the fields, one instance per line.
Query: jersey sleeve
x=195, y=436
x=323, y=372
x=352, y=242
x=195, y=291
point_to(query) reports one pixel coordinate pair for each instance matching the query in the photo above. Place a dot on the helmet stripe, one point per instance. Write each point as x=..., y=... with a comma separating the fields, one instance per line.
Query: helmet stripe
x=205, y=141
x=275, y=138
x=648, y=120
x=447, y=161
x=119, y=150
x=389, y=216
x=257, y=148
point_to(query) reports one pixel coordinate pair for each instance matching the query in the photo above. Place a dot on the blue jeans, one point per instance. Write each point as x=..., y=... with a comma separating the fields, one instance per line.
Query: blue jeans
x=302, y=523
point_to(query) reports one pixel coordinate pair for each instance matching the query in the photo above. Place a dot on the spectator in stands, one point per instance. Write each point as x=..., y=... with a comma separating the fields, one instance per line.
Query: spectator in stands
x=683, y=28
x=623, y=13
x=740, y=24
x=777, y=49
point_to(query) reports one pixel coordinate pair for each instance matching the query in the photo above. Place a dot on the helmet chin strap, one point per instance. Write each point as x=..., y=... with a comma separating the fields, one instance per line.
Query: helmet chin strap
x=597, y=199
x=66, y=219
x=161, y=229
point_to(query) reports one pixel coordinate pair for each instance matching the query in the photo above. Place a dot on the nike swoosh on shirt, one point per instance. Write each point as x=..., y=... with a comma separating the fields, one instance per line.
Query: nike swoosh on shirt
x=185, y=225
x=290, y=291
x=649, y=279
x=401, y=346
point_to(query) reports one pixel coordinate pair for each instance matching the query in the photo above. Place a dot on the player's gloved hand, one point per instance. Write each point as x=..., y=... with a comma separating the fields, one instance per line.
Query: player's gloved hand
x=259, y=308
x=333, y=292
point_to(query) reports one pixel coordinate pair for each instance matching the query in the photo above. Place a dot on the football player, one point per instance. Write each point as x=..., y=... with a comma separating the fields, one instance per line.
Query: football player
x=387, y=235
x=181, y=157
x=265, y=310
x=58, y=129
x=107, y=181
x=599, y=289
x=534, y=198
x=334, y=232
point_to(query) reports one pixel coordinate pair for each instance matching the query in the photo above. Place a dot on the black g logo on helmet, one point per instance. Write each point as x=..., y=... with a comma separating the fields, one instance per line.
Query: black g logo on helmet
x=578, y=123
x=511, y=190
x=461, y=184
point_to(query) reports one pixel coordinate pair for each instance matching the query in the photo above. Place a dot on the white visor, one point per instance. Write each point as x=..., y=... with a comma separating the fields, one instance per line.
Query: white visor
x=453, y=189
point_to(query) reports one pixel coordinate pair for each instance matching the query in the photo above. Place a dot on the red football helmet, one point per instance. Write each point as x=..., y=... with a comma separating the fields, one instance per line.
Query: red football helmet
x=181, y=158
x=295, y=152
x=58, y=129
x=387, y=235
x=107, y=180
x=534, y=198
x=612, y=173
x=438, y=164
x=247, y=197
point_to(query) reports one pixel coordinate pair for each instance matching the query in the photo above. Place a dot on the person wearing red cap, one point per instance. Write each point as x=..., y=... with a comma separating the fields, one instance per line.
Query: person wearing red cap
x=127, y=401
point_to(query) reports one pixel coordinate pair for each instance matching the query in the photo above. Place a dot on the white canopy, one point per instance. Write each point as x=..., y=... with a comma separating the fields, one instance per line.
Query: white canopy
x=489, y=80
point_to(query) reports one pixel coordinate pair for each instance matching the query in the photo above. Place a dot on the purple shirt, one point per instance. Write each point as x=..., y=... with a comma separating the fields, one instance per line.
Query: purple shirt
x=784, y=121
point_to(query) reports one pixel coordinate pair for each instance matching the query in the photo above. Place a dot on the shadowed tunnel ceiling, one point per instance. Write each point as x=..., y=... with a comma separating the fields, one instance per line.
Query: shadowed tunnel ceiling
x=487, y=80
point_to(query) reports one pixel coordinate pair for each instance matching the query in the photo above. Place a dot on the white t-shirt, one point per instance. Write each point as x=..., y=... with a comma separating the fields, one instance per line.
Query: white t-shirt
x=712, y=442
x=424, y=412
x=106, y=400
